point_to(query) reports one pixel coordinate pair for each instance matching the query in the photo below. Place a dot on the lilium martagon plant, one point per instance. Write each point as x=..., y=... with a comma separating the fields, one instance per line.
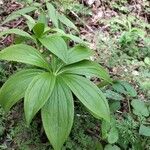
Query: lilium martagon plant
x=49, y=85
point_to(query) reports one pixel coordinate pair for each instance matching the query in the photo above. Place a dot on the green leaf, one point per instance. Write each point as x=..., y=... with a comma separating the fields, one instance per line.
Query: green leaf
x=18, y=13
x=119, y=88
x=129, y=88
x=66, y=21
x=14, y=88
x=147, y=60
x=74, y=38
x=113, y=95
x=98, y=145
x=38, y=29
x=56, y=45
x=113, y=135
x=30, y=21
x=105, y=128
x=19, y=40
x=89, y=94
x=88, y=68
x=115, y=106
x=17, y=32
x=37, y=4
x=140, y=108
x=64, y=35
x=30, y=1
x=144, y=130
x=138, y=32
x=37, y=94
x=109, y=130
x=53, y=14
x=25, y=54
x=57, y=114
x=42, y=18
x=104, y=83
x=78, y=53
x=111, y=147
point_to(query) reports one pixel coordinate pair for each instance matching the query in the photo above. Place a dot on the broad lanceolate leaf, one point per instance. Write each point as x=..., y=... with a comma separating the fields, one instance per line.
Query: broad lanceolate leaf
x=78, y=53
x=74, y=38
x=18, y=13
x=38, y=29
x=17, y=32
x=53, y=14
x=56, y=45
x=66, y=21
x=37, y=94
x=14, y=88
x=30, y=21
x=88, y=68
x=42, y=18
x=89, y=94
x=57, y=114
x=65, y=35
x=25, y=54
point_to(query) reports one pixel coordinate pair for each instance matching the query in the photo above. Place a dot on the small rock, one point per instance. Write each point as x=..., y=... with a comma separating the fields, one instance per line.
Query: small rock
x=3, y=29
x=135, y=73
x=1, y=2
x=90, y=2
x=126, y=70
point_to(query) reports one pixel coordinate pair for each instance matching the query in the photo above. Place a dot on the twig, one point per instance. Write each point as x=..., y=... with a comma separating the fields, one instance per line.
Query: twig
x=18, y=23
x=129, y=108
x=94, y=134
x=82, y=21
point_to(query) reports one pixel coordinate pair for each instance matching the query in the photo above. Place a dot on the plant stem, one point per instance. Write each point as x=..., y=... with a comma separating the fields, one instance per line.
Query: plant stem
x=129, y=105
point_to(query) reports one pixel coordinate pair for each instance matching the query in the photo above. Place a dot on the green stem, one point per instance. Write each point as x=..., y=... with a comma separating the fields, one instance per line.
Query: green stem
x=59, y=69
x=129, y=107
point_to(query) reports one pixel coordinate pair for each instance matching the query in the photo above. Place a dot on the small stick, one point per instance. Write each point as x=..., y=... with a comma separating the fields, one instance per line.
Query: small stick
x=82, y=21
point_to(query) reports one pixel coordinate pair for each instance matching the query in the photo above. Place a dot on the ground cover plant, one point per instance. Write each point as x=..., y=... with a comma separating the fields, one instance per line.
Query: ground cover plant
x=118, y=34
